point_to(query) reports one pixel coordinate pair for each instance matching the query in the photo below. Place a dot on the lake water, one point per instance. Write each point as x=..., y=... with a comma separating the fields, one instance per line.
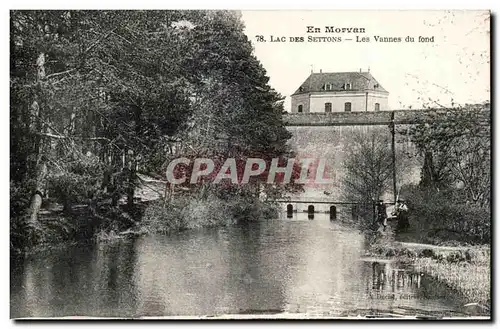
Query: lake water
x=290, y=267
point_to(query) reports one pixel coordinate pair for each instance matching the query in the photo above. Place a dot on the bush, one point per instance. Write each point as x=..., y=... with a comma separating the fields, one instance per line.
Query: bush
x=456, y=257
x=78, y=181
x=162, y=218
x=438, y=216
x=426, y=253
x=195, y=211
x=206, y=213
x=19, y=198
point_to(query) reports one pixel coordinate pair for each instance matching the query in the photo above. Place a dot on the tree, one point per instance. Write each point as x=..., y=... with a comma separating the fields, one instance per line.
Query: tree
x=99, y=95
x=234, y=112
x=367, y=166
x=105, y=84
x=456, y=149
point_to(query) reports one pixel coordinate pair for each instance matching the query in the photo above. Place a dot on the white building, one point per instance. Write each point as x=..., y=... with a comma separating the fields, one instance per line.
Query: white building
x=340, y=92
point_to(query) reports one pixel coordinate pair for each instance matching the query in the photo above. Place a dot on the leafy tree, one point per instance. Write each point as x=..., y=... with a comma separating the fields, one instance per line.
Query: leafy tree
x=457, y=152
x=99, y=95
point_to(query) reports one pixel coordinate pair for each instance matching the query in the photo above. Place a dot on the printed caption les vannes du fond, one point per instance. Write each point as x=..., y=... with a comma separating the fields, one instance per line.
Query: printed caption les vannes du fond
x=342, y=34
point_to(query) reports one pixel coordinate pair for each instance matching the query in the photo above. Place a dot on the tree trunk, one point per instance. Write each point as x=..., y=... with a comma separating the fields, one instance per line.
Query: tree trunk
x=393, y=154
x=427, y=179
x=169, y=193
x=67, y=206
x=36, y=128
x=113, y=188
x=131, y=186
x=36, y=199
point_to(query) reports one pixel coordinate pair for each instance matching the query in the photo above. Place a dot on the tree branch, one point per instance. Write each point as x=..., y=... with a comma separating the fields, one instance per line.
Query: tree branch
x=73, y=137
x=59, y=73
x=89, y=48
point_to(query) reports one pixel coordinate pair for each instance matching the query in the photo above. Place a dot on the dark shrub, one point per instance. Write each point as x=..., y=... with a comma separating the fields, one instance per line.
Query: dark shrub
x=440, y=216
x=426, y=253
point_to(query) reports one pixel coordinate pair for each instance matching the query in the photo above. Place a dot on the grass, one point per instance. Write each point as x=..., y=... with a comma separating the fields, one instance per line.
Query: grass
x=470, y=279
x=465, y=269
x=193, y=211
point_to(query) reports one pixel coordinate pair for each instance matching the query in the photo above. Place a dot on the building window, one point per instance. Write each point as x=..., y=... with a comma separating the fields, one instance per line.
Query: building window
x=377, y=107
x=299, y=109
x=328, y=107
x=347, y=107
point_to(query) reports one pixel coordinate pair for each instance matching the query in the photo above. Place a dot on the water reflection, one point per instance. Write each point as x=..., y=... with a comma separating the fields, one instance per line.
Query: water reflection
x=398, y=279
x=291, y=265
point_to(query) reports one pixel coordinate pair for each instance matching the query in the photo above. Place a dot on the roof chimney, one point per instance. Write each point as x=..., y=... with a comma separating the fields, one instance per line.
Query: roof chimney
x=359, y=70
x=320, y=71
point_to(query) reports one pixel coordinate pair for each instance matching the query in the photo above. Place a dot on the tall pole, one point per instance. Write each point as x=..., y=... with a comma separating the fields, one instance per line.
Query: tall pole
x=393, y=150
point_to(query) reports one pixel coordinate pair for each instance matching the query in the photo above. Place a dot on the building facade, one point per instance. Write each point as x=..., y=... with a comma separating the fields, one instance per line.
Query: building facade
x=340, y=92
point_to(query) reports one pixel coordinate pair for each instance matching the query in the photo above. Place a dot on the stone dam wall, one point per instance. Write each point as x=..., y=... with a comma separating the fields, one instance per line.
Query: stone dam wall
x=330, y=135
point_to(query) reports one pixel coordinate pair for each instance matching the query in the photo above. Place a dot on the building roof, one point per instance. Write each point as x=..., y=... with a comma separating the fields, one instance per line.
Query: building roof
x=360, y=81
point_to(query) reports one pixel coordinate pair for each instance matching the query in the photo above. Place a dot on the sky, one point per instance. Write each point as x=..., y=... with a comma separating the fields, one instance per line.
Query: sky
x=452, y=70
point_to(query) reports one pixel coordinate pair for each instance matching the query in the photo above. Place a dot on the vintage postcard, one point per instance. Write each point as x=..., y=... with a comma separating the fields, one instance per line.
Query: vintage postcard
x=187, y=164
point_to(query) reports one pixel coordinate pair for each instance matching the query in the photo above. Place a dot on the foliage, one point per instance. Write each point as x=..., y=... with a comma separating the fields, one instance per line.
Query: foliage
x=19, y=198
x=456, y=149
x=471, y=280
x=439, y=216
x=98, y=95
x=77, y=182
x=465, y=270
x=198, y=210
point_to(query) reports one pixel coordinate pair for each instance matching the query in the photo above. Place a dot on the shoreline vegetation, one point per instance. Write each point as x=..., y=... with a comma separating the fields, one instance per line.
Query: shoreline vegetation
x=99, y=98
x=449, y=208
x=184, y=211
x=464, y=269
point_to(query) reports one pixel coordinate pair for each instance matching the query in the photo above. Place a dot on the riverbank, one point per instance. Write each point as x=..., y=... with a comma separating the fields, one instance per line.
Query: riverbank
x=464, y=269
x=56, y=228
